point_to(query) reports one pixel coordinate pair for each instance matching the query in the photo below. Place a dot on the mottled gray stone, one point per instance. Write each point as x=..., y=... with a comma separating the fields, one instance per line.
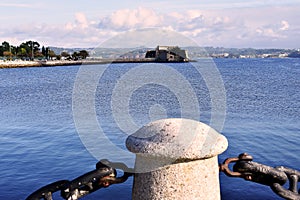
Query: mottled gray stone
x=176, y=159
x=177, y=139
x=191, y=180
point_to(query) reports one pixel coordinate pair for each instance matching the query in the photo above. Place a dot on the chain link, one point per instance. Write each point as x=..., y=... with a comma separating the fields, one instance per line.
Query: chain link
x=276, y=177
x=103, y=176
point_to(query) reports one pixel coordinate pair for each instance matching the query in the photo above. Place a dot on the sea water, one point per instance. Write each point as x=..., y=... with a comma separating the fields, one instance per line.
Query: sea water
x=40, y=141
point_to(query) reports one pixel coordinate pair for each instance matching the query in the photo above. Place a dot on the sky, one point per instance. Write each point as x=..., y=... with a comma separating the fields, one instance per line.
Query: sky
x=217, y=23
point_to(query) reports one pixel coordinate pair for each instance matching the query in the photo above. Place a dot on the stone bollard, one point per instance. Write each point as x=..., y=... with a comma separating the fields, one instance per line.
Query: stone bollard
x=176, y=159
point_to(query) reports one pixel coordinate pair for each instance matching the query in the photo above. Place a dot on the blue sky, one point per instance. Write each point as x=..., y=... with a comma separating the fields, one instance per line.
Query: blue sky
x=218, y=23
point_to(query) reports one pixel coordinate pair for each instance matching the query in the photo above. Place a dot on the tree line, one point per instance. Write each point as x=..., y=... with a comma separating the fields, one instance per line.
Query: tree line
x=31, y=50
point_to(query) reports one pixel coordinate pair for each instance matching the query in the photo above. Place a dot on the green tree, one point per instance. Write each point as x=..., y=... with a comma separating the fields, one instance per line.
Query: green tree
x=1, y=50
x=75, y=55
x=52, y=54
x=65, y=54
x=35, y=46
x=47, y=53
x=8, y=54
x=21, y=52
x=5, y=46
x=31, y=47
x=43, y=51
x=13, y=50
x=25, y=50
x=83, y=54
x=38, y=54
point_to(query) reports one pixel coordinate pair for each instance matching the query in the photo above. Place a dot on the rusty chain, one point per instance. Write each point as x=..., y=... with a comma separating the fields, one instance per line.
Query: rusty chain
x=276, y=177
x=103, y=176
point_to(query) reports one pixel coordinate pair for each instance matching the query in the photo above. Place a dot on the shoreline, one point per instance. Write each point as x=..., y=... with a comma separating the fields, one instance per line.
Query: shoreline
x=20, y=64
x=53, y=63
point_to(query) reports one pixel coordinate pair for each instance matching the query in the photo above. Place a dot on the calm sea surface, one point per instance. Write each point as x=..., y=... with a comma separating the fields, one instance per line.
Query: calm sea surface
x=39, y=142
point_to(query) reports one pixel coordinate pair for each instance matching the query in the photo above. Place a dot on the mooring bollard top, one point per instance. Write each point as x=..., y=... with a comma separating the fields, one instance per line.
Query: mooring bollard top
x=177, y=138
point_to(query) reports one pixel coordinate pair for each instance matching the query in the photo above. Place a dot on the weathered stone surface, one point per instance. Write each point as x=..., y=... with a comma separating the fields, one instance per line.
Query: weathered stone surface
x=176, y=159
x=192, y=180
x=177, y=139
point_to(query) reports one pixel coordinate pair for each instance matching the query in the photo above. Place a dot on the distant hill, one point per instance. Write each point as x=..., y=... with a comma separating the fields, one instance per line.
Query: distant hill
x=194, y=52
x=58, y=50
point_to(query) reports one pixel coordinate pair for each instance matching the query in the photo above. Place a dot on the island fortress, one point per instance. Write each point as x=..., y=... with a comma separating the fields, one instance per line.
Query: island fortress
x=168, y=54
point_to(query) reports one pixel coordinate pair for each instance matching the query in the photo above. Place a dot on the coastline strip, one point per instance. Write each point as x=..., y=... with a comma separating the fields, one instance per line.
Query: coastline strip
x=19, y=64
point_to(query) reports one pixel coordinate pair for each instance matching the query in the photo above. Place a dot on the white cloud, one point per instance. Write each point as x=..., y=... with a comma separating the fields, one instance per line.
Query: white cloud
x=128, y=19
x=274, y=30
x=81, y=20
x=249, y=27
x=69, y=26
x=193, y=14
x=17, y=5
x=268, y=32
x=285, y=25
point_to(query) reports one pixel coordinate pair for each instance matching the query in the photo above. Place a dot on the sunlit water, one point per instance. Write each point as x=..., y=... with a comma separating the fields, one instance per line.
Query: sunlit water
x=39, y=142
